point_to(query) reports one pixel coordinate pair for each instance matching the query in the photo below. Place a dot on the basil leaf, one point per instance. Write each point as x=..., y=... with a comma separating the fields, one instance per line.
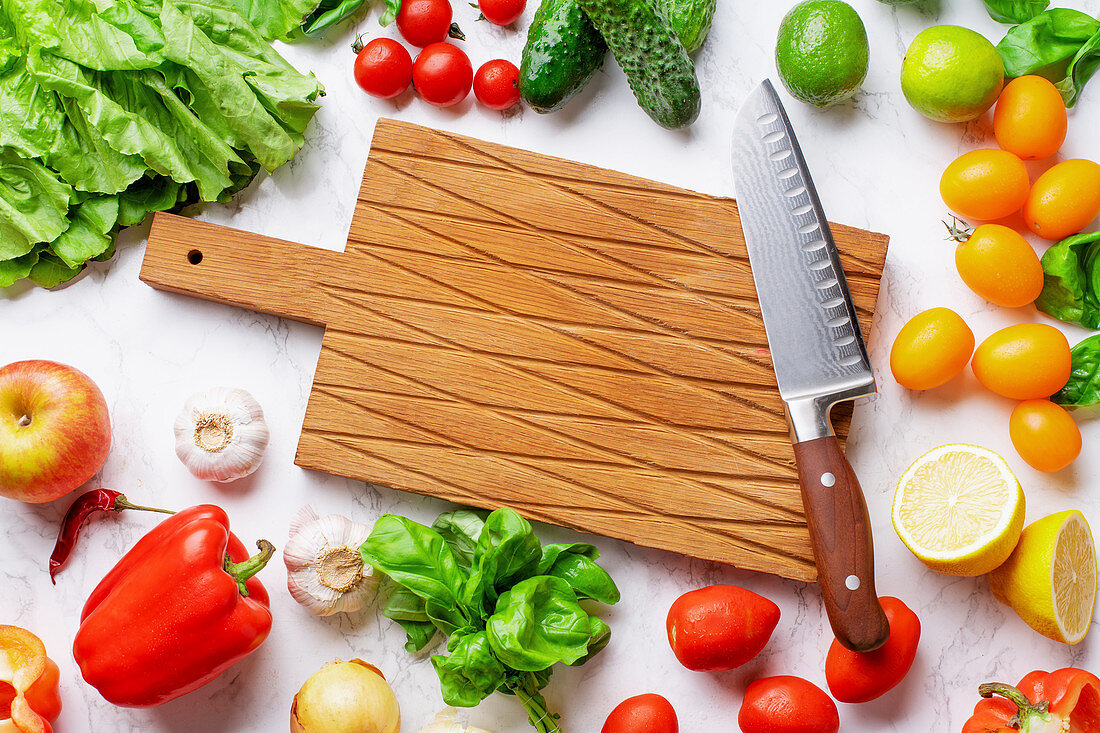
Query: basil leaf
x=551, y=552
x=393, y=7
x=598, y=638
x=1015, y=11
x=460, y=529
x=1071, y=280
x=1083, y=388
x=328, y=14
x=1084, y=65
x=587, y=579
x=1048, y=45
x=407, y=609
x=507, y=551
x=415, y=557
x=470, y=673
x=537, y=624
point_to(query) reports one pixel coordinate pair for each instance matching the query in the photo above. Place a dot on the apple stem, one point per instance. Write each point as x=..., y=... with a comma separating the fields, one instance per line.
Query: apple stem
x=25, y=421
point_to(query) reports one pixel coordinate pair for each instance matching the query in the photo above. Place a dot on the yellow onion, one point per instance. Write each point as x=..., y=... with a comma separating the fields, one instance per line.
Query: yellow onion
x=345, y=697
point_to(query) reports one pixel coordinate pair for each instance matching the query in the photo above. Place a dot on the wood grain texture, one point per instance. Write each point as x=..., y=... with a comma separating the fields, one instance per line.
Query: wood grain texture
x=510, y=328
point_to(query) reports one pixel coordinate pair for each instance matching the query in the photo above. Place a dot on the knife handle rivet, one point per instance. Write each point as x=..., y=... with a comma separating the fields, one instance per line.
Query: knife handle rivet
x=851, y=582
x=828, y=479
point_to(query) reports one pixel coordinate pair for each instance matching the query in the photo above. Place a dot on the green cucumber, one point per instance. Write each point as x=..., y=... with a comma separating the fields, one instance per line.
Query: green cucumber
x=564, y=50
x=657, y=66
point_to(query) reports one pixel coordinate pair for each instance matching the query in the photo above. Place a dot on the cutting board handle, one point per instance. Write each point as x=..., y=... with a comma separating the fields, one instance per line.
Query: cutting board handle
x=239, y=268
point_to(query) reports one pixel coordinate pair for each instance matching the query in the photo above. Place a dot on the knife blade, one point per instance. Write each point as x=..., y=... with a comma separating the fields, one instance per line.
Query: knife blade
x=817, y=351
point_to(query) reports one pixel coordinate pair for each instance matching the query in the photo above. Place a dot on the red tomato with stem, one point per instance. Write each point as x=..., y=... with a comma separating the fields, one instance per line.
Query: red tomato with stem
x=642, y=714
x=502, y=12
x=863, y=676
x=496, y=84
x=720, y=627
x=442, y=74
x=423, y=22
x=383, y=68
x=787, y=704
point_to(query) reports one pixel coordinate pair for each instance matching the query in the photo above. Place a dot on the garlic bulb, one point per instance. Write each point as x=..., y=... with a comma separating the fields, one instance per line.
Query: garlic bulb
x=447, y=722
x=221, y=434
x=324, y=571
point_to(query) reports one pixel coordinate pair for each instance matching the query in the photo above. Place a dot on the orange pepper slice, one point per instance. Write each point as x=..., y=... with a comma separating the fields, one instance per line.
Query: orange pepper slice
x=29, y=698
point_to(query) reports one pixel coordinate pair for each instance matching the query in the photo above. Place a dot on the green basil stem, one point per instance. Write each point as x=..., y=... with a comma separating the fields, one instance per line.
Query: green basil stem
x=242, y=571
x=541, y=719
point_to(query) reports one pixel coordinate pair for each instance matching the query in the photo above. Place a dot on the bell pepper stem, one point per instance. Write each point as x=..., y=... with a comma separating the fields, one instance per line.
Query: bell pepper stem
x=242, y=571
x=1025, y=709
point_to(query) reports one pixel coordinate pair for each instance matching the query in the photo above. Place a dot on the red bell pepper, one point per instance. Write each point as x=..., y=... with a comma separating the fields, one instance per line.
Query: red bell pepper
x=1066, y=701
x=29, y=700
x=178, y=609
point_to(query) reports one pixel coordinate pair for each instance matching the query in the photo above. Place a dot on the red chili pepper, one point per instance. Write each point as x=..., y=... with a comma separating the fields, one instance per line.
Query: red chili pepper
x=864, y=676
x=178, y=609
x=98, y=500
x=1066, y=700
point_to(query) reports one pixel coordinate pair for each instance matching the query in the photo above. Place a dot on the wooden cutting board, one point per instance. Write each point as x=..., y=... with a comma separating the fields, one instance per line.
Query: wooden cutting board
x=507, y=328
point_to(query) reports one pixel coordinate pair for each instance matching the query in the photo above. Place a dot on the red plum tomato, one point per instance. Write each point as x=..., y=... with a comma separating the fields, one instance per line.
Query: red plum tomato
x=720, y=627
x=383, y=68
x=787, y=705
x=423, y=22
x=864, y=676
x=642, y=714
x=442, y=74
x=496, y=84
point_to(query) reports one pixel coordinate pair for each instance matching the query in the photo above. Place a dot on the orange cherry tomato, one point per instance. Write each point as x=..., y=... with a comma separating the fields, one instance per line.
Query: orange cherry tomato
x=985, y=184
x=1028, y=361
x=1064, y=200
x=1044, y=435
x=931, y=349
x=1000, y=266
x=1030, y=119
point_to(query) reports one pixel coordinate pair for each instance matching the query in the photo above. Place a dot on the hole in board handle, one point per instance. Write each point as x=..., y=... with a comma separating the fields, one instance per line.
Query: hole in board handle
x=194, y=257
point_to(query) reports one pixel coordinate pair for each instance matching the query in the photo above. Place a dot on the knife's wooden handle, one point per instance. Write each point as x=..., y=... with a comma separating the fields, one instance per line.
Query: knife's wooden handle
x=840, y=532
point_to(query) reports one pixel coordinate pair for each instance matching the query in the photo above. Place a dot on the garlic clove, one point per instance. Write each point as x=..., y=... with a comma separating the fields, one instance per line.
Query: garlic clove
x=221, y=434
x=325, y=572
x=447, y=722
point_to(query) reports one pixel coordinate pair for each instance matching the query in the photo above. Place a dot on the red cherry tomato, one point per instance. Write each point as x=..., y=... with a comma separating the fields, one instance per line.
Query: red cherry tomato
x=422, y=22
x=864, y=676
x=502, y=12
x=383, y=68
x=442, y=74
x=787, y=705
x=717, y=628
x=642, y=714
x=496, y=84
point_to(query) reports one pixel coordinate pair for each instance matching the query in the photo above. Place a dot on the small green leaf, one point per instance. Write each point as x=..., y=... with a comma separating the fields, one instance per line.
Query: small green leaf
x=470, y=673
x=1071, y=280
x=537, y=624
x=1015, y=11
x=1083, y=388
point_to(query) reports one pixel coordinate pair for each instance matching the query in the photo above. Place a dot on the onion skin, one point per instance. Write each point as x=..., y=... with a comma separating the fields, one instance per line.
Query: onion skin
x=345, y=697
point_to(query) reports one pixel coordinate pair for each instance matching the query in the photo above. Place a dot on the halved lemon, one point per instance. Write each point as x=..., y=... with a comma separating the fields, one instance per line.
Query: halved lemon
x=960, y=509
x=1050, y=578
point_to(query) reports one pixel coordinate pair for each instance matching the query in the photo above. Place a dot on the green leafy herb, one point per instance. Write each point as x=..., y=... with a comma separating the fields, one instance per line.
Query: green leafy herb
x=1015, y=11
x=1060, y=44
x=1071, y=280
x=510, y=606
x=393, y=7
x=109, y=111
x=1083, y=388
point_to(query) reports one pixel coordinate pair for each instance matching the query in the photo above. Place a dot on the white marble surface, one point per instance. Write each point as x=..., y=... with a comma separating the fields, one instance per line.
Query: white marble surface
x=876, y=163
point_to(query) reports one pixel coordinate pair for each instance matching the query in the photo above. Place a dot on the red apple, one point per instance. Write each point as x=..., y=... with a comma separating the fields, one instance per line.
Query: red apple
x=55, y=432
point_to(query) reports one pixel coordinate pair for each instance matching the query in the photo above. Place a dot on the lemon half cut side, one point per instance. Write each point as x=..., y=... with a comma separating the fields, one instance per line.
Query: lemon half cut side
x=959, y=509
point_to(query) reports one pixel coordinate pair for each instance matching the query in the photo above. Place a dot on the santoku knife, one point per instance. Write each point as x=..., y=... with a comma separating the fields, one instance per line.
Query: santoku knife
x=817, y=350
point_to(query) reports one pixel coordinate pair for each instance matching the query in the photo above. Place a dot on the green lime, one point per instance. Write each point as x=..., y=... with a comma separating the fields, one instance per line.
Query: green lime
x=951, y=74
x=822, y=52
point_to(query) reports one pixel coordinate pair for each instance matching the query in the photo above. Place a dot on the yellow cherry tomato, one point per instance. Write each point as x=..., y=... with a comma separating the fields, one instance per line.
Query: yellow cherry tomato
x=931, y=348
x=1028, y=361
x=1000, y=266
x=1064, y=200
x=1030, y=119
x=985, y=185
x=1044, y=435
